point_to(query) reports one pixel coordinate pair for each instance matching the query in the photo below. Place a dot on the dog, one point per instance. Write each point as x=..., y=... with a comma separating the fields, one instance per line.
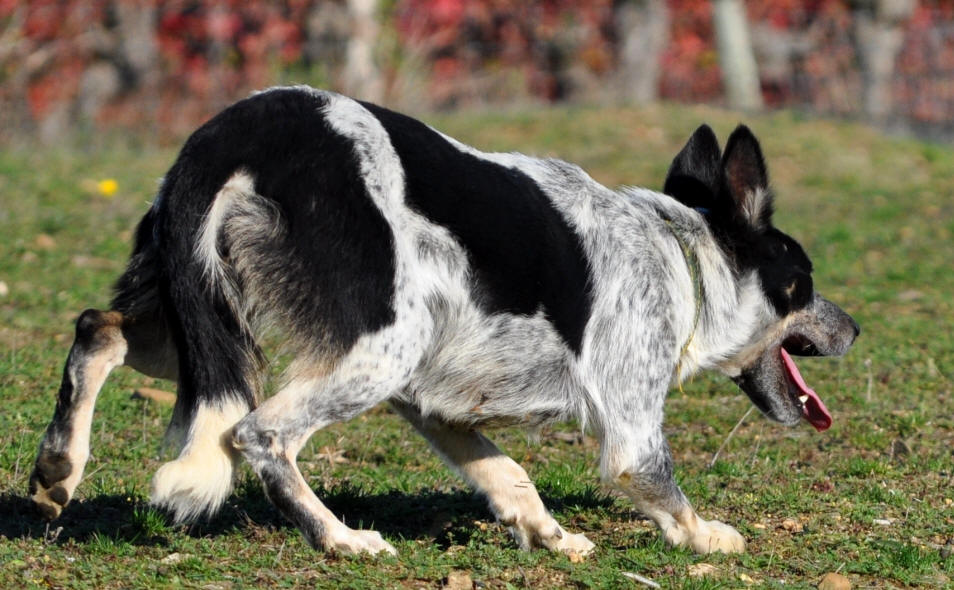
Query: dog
x=468, y=289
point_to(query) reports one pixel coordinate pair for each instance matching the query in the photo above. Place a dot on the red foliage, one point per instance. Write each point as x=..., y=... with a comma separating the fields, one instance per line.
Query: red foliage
x=207, y=52
x=690, y=69
x=538, y=39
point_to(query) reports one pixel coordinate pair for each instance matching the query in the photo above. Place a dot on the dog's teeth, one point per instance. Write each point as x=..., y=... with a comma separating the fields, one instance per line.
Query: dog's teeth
x=803, y=399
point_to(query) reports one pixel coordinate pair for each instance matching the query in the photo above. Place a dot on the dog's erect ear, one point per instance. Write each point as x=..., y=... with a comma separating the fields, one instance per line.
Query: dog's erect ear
x=695, y=175
x=747, y=179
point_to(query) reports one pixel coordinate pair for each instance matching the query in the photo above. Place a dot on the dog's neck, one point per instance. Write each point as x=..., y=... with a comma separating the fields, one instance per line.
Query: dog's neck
x=695, y=273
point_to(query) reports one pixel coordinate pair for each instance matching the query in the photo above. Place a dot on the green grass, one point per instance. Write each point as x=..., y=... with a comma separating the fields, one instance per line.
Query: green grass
x=875, y=214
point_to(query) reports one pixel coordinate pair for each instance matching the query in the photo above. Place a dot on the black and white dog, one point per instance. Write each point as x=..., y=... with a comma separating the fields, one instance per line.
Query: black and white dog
x=468, y=289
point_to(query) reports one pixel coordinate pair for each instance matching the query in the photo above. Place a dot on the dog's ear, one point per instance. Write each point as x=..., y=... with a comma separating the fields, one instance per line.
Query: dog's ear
x=747, y=179
x=695, y=175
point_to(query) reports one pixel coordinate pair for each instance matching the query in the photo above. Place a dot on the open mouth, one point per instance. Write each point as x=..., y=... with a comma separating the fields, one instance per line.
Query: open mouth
x=773, y=381
x=813, y=408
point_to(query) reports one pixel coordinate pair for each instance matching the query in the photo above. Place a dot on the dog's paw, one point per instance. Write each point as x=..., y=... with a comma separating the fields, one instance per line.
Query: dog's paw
x=351, y=542
x=712, y=536
x=52, y=484
x=192, y=486
x=554, y=539
x=571, y=543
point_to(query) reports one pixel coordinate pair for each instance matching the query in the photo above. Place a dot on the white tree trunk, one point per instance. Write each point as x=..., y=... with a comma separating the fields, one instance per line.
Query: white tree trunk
x=878, y=37
x=740, y=74
x=361, y=77
x=642, y=27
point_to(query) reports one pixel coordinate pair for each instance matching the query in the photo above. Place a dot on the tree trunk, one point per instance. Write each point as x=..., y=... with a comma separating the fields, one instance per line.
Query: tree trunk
x=740, y=74
x=642, y=29
x=878, y=35
x=361, y=77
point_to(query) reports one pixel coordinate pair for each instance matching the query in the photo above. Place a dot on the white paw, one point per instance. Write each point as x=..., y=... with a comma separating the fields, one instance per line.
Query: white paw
x=191, y=487
x=573, y=543
x=713, y=536
x=351, y=542
x=555, y=539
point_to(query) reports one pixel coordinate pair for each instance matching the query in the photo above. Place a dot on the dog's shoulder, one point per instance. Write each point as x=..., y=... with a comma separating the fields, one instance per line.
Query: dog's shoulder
x=523, y=251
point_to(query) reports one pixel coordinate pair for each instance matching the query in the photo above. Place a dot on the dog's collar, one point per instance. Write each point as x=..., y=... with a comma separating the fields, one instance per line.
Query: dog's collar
x=695, y=273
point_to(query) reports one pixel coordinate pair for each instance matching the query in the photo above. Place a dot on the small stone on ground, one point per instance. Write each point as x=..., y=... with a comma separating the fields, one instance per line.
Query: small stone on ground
x=833, y=581
x=458, y=580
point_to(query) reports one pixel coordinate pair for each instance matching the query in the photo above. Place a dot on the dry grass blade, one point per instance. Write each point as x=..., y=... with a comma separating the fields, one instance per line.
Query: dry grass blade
x=715, y=457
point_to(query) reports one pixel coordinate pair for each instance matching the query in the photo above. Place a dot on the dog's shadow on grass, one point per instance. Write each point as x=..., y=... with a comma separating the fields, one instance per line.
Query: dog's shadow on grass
x=443, y=517
x=112, y=517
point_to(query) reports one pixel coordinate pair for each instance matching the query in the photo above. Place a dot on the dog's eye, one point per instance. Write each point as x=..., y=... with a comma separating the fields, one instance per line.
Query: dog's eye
x=790, y=289
x=799, y=291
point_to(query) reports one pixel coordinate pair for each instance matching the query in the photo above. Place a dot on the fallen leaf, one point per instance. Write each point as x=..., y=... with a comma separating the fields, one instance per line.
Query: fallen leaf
x=791, y=525
x=173, y=558
x=458, y=580
x=834, y=581
x=156, y=395
x=701, y=570
x=81, y=261
x=909, y=295
x=44, y=242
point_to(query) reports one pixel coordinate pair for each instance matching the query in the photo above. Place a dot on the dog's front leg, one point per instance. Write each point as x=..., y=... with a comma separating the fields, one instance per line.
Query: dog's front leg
x=640, y=464
x=511, y=495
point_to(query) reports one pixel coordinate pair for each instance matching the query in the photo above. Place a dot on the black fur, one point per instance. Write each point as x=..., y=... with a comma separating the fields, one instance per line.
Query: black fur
x=524, y=253
x=310, y=175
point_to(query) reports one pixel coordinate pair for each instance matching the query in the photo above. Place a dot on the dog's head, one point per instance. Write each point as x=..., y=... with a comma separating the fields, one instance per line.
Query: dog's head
x=731, y=190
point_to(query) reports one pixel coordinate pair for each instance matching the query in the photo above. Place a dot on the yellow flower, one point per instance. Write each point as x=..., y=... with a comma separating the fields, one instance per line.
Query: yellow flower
x=107, y=187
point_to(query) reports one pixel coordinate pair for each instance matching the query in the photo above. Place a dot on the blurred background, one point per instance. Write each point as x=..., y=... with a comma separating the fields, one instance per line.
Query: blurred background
x=161, y=67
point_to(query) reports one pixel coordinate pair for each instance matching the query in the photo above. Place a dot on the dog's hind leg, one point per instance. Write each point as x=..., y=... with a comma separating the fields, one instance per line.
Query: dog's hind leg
x=510, y=493
x=104, y=340
x=134, y=333
x=98, y=348
x=219, y=366
x=271, y=437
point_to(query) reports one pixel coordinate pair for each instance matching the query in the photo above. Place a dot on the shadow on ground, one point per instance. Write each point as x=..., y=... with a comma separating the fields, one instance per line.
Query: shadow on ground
x=112, y=516
x=446, y=518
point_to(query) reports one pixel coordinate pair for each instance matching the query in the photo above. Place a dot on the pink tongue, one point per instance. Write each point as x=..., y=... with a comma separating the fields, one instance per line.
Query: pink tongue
x=813, y=409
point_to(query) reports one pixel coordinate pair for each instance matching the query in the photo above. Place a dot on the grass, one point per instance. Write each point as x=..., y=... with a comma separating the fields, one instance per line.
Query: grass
x=870, y=498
